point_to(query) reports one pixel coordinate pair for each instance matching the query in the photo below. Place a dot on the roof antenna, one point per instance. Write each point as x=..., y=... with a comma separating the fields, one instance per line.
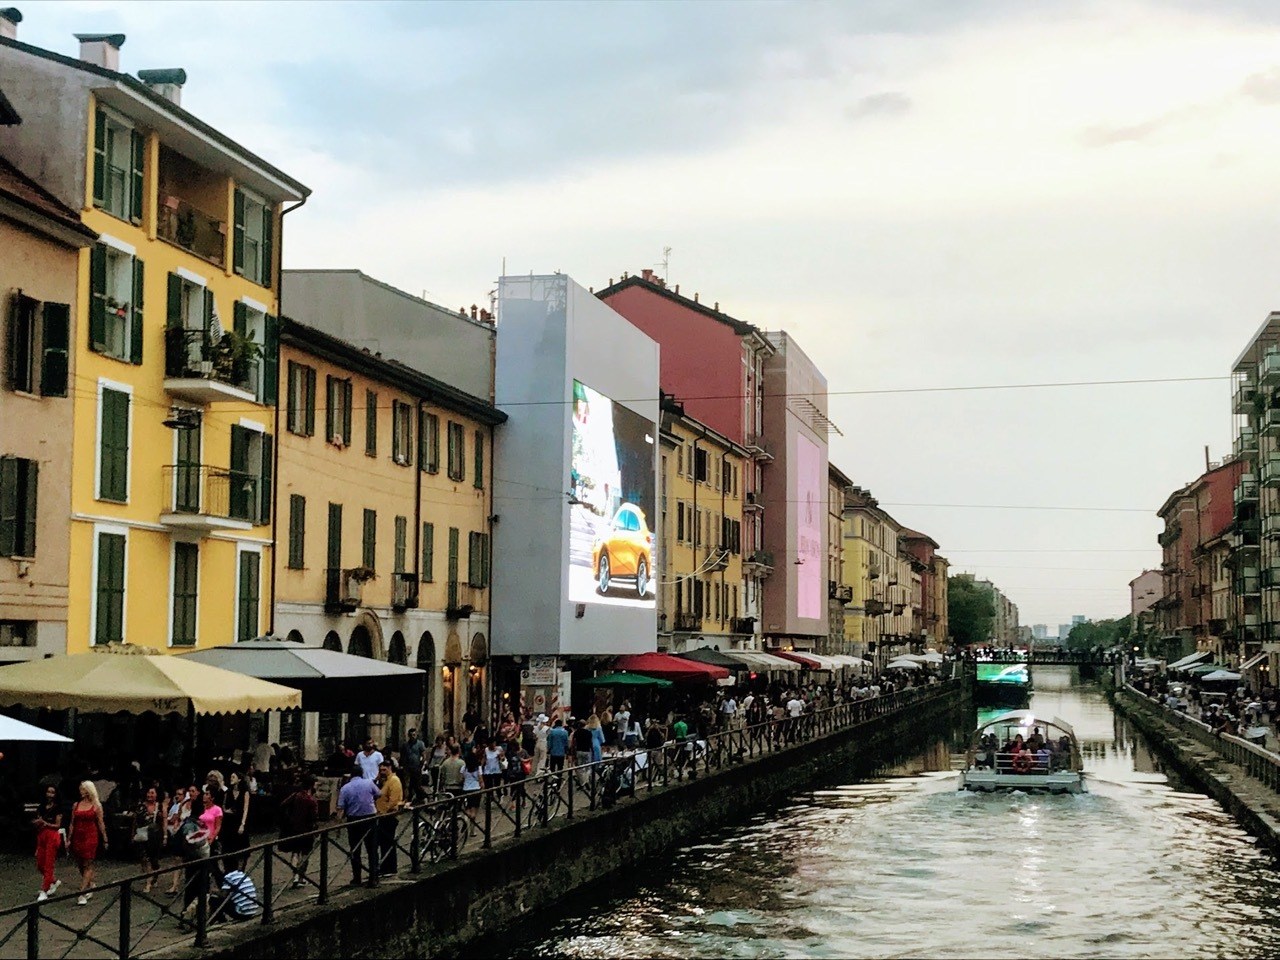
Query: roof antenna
x=666, y=263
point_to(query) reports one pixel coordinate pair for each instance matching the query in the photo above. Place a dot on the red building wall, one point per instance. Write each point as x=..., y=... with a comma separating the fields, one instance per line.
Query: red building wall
x=701, y=358
x=1222, y=484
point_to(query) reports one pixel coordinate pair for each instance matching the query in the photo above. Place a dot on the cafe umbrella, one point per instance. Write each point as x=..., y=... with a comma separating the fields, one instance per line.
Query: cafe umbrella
x=626, y=680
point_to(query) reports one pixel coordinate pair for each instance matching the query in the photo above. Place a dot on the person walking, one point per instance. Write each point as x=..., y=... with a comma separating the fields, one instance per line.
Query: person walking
x=596, y=727
x=235, y=819
x=412, y=756
x=390, y=799
x=356, y=807
x=583, y=740
x=540, y=731
x=451, y=771
x=369, y=760
x=557, y=745
x=471, y=783
x=88, y=833
x=493, y=763
x=48, y=824
x=298, y=815
x=149, y=834
x=622, y=721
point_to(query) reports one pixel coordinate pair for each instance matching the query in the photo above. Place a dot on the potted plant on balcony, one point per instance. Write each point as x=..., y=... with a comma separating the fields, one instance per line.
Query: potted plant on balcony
x=232, y=354
x=363, y=574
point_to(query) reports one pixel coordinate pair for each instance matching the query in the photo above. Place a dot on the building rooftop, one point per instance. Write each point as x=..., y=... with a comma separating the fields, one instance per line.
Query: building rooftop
x=19, y=189
x=654, y=284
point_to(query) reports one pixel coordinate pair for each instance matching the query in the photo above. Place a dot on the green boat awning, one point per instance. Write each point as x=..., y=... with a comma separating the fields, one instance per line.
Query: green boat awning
x=625, y=680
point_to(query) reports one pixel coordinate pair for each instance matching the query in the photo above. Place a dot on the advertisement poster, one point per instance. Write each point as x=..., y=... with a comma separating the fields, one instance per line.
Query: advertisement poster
x=811, y=516
x=1003, y=673
x=612, y=540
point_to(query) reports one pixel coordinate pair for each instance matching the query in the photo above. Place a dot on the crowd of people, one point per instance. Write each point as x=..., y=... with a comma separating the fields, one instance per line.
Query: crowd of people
x=1234, y=707
x=1034, y=754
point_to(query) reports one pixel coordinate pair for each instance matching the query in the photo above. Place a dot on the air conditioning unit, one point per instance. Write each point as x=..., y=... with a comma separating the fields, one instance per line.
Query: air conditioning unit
x=352, y=592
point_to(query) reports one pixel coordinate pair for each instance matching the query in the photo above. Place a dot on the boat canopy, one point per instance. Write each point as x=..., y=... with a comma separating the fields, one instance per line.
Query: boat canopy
x=1026, y=718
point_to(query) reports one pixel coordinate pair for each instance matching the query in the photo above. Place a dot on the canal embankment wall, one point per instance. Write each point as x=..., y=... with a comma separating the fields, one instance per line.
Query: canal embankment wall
x=1241, y=776
x=455, y=907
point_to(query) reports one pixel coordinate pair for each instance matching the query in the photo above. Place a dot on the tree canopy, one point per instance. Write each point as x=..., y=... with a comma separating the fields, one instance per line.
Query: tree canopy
x=1099, y=633
x=971, y=609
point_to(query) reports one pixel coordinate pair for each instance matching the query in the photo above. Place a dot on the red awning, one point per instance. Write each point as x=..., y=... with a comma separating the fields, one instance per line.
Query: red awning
x=670, y=668
x=807, y=662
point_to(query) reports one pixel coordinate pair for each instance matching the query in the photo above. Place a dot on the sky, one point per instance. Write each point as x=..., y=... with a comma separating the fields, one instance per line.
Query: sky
x=928, y=194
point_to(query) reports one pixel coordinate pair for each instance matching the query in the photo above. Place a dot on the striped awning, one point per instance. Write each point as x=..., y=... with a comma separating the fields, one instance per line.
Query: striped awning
x=761, y=661
x=1253, y=661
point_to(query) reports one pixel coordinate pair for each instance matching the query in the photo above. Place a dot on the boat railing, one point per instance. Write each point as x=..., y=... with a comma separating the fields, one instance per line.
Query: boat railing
x=1024, y=761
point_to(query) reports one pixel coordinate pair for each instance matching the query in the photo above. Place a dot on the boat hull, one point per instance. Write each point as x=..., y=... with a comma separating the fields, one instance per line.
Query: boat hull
x=988, y=781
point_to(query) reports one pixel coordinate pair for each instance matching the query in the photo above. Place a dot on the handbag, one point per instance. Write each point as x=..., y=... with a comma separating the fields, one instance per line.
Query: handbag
x=527, y=765
x=142, y=834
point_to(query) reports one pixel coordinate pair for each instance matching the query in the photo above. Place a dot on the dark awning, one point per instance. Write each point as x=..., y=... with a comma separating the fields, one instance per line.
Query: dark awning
x=331, y=682
x=715, y=658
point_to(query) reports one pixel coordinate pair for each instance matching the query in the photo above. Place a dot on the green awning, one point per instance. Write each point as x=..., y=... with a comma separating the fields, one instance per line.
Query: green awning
x=625, y=680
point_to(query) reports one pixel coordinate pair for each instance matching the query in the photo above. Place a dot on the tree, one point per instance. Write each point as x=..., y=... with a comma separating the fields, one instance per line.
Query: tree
x=971, y=608
x=1103, y=634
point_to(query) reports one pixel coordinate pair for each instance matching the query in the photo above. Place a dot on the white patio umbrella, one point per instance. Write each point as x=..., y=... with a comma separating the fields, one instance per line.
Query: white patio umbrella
x=903, y=665
x=932, y=657
x=15, y=730
x=1220, y=675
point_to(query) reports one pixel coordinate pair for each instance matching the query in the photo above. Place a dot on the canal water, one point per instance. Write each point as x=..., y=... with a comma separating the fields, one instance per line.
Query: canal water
x=907, y=866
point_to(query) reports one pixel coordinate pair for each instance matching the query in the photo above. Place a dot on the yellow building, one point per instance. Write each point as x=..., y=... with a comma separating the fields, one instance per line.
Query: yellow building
x=384, y=507
x=879, y=617
x=701, y=596
x=174, y=348
x=839, y=590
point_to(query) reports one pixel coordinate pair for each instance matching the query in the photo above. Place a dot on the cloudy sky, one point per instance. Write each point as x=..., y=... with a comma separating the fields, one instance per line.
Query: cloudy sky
x=933, y=194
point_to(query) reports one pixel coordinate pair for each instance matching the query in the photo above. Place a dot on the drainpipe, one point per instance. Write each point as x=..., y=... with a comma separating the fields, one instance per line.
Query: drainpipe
x=275, y=450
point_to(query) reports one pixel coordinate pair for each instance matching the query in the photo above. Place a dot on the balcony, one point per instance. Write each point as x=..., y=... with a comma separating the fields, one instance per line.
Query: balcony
x=744, y=625
x=404, y=591
x=757, y=447
x=1246, y=444
x=759, y=562
x=1248, y=584
x=200, y=369
x=1269, y=369
x=1271, y=577
x=197, y=232
x=1270, y=471
x=1243, y=398
x=687, y=622
x=205, y=498
x=1270, y=424
x=842, y=593
x=751, y=503
x=873, y=571
x=875, y=608
x=1271, y=526
x=461, y=603
x=343, y=590
x=1247, y=489
x=1248, y=534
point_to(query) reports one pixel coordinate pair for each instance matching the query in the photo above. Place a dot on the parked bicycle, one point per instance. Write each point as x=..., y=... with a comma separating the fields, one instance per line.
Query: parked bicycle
x=435, y=835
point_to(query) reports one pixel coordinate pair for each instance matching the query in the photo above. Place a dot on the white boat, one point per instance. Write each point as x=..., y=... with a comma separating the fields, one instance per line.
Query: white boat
x=1018, y=751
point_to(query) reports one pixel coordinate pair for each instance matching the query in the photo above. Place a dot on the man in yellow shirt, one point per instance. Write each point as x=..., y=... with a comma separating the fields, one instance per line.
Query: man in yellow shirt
x=389, y=801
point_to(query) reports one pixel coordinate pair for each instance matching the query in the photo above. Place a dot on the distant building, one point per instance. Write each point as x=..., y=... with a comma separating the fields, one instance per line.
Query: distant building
x=1040, y=631
x=1144, y=590
x=1064, y=631
x=1078, y=618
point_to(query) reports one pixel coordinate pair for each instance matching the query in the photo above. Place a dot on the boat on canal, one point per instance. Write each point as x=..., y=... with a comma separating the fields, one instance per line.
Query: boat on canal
x=1019, y=751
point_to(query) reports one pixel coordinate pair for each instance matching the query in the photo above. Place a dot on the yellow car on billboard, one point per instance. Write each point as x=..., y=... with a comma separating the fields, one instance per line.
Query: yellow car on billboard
x=624, y=550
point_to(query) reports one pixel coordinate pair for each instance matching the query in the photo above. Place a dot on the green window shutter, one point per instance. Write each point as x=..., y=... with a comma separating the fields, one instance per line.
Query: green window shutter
x=213, y=330
x=99, y=158
x=293, y=389
x=371, y=423
x=330, y=408
x=334, y=554
x=21, y=342
x=422, y=438
x=484, y=560
x=135, y=329
x=98, y=298
x=428, y=552
x=473, y=560
x=265, y=478
x=453, y=556
x=54, y=370
x=240, y=318
x=369, y=540
x=309, y=404
x=250, y=577
x=348, y=392
x=8, y=506
x=31, y=484
x=268, y=225
x=138, y=156
x=270, y=360
x=109, y=627
x=479, y=464
x=297, y=531
x=402, y=534
x=241, y=498
x=173, y=311
x=186, y=580
x=113, y=480
x=237, y=235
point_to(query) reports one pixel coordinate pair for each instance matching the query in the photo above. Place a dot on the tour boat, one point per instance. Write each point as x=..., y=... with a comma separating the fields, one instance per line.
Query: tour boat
x=1014, y=752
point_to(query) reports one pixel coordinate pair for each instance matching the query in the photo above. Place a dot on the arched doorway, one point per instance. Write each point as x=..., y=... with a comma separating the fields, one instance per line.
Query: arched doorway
x=294, y=637
x=330, y=724
x=479, y=657
x=332, y=642
x=449, y=681
x=397, y=653
x=360, y=645
x=426, y=661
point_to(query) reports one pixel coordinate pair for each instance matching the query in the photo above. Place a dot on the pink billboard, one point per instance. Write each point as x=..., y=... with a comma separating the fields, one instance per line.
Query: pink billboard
x=810, y=520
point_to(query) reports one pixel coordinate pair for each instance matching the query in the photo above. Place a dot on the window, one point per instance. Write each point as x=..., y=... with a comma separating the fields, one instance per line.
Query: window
x=252, y=242
x=297, y=531
x=251, y=471
x=118, y=156
x=37, y=340
x=261, y=368
x=19, y=480
x=334, y=553
x=700, y=471
x=457, y=451
x=402, y=535
x=369, y=540
x=370, y=423
x=453, y=561
x=115, y=303
x=337, y=414
x=428, y=442
x=113, y=445
x=192, y=327
x=247, y=595
x=401, y=432
x=186, y=580
x=680, y=522
x=478, y=559
x=108, y=626
x=17, y=633
x=300, y=417
x=428, y=552
x=479, y=464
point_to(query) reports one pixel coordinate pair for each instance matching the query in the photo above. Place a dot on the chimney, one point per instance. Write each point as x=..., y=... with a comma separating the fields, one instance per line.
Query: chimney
x=717, y=306
x=475, y=312
x=10, y=17
x=695, y=297
x=101, y=49
x=647, y=274
x=677, y=289
x=167, y=82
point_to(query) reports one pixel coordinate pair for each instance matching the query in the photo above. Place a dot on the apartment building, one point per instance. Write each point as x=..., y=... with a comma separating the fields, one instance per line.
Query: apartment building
x=839, y=590
x=175, y=351
x=880, y=615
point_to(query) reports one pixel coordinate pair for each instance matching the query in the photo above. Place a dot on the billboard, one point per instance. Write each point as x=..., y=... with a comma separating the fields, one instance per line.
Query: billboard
x=811, y=519
x=612, y=486
x=1015, y=673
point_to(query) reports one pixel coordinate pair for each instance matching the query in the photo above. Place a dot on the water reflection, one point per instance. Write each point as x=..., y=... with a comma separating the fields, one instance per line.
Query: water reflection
x=905, y=865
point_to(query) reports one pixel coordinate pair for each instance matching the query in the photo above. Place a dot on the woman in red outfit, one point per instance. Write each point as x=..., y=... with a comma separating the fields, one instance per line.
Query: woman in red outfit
x=88, y=829
x=48, y=824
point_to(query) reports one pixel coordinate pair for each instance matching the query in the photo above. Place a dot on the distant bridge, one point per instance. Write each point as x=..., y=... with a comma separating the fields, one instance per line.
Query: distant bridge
x=1070, y=658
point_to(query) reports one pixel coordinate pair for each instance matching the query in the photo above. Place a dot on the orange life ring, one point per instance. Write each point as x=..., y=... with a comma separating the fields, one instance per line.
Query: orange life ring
x=1022, y=761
